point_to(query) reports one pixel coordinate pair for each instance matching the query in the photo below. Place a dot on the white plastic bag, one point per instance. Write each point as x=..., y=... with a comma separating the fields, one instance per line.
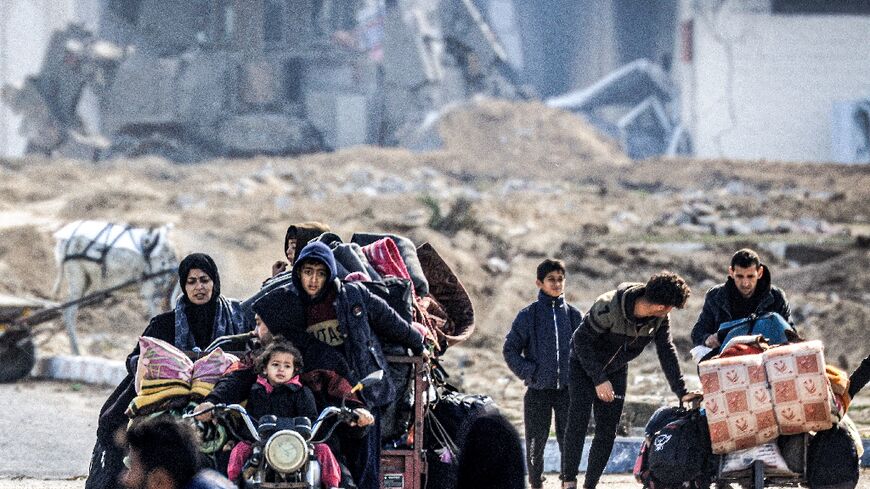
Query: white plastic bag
x=767, y=453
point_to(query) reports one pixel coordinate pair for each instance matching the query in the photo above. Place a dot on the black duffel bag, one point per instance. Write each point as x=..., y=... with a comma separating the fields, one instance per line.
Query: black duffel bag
x=447, y=419
x=396, y=416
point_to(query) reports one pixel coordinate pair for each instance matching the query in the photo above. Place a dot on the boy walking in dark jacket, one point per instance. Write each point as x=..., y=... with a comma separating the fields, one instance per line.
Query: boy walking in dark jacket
x=537, y=349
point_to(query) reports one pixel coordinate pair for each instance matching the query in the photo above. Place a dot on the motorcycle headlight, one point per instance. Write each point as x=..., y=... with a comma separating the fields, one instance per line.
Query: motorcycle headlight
x=286, y=451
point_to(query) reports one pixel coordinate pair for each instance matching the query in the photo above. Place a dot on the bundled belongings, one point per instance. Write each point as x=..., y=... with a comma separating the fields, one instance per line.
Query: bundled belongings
x=737, y=403
x=840, y=385
x=438, y=300
x=166, y=376
x=802, y=397
x=402, y=250
x=768, y=453
x=680, y=451
x=447, y=419
x=751, y=399
x=446, y=290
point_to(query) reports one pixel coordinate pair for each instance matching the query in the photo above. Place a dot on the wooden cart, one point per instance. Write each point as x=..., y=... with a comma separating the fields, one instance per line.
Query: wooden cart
x=405, y=468
x=23, y=319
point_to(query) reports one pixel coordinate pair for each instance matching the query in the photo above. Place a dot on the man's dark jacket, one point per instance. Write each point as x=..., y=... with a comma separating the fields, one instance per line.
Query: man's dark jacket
x=610, y=336
x=538, y=346
x=363, y=320
x=859, y=377
x=718, y=309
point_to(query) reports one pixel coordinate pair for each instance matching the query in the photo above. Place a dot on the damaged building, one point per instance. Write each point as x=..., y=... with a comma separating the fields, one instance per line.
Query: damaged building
x=775, y=79
x=741, y=79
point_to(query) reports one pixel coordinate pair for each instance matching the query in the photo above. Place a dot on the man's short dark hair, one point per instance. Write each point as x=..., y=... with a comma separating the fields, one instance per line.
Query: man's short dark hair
x=164, y=442
x=745, y=258
x=667, y=289
x=279, y=345
x=550, y=265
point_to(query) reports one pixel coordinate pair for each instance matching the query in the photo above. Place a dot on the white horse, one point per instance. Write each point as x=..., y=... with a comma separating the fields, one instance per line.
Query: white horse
x=95, y=255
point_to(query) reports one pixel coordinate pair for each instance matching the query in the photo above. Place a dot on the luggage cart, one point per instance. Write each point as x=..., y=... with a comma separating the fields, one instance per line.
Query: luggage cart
x=756, y=476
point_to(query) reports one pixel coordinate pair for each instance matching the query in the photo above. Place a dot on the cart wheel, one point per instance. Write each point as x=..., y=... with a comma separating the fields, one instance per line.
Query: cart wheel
x=16, y=358
x=758, y=474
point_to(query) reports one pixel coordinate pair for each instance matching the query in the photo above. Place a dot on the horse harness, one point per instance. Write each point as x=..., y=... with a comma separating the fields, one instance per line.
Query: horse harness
x=106, y=247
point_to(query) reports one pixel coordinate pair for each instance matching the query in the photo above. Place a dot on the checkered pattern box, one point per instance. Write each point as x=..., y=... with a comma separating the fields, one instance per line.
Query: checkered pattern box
x=737, y=403
x=801, y=394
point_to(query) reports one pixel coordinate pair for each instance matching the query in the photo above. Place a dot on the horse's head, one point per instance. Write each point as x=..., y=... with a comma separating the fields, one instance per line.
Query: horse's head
x=154, y=240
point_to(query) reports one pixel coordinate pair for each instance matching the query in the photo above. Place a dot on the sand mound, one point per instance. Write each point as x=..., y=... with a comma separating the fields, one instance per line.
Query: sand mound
x=517, y=140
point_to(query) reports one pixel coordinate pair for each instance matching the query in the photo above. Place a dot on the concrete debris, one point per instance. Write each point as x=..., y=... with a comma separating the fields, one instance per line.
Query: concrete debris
x=635, y=105
x=703, y=218
x=90, y=370
x=283, y=202
x=850, y=131
x=518, y=231
x=624, y=221
x=179, y=86
x=414, y=219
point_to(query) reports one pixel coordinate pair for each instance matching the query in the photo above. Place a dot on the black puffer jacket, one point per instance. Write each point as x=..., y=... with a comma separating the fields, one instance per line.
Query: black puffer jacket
x=538, y=346
x=717, y=306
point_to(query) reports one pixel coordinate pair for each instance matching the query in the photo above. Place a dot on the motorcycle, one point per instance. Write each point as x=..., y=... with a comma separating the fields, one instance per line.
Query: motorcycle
x=283, y=448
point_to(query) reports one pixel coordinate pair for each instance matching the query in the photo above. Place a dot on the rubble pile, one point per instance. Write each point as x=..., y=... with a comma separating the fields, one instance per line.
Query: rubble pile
x=702, y=217
x=515, y=183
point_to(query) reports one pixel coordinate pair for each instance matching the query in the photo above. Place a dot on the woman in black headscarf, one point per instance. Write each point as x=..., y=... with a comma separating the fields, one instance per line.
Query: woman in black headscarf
x=201, y=315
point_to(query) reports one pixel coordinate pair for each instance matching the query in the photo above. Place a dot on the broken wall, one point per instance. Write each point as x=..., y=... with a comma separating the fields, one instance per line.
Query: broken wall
x=25, y=29
x=763, y=86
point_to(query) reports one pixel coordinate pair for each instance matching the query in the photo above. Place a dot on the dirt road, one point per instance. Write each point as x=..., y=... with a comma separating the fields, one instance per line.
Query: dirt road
x=47, y=433
x=48, y=428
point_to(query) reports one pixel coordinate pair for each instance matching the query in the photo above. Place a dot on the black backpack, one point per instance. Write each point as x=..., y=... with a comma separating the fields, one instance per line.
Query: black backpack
x=680, y=452
x=832, y=460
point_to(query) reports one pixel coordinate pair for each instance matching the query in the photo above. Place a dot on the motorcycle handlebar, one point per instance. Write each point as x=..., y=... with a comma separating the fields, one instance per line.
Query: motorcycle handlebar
x=343, y=413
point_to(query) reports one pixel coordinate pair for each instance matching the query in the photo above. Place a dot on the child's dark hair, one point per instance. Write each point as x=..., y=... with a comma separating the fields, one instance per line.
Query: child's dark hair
x=667, y=289
x=745, y=258
x=550, y=265
x=279, y=345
